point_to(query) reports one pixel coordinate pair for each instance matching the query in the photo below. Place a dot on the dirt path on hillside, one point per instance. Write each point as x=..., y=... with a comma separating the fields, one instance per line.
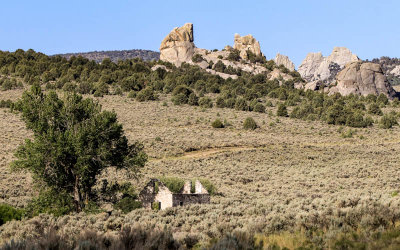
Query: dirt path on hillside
x=208, y=152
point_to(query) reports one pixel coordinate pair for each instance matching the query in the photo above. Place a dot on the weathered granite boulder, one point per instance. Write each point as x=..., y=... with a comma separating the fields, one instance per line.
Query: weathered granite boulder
x=315, y=67
x=314, y=85
x=285, y=61
x=342, y=56
x=228, y=48
x=395, y=71
x=246, y=43
x=362, y=79
x=310, y=65
x=178, y=46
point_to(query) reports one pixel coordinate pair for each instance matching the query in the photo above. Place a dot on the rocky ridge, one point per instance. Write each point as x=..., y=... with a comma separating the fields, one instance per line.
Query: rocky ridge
x=178, y=47
x=115, y=55
x=315, y=67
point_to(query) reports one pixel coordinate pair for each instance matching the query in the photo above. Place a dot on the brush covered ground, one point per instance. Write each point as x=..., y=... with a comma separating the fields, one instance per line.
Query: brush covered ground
x=284, y=176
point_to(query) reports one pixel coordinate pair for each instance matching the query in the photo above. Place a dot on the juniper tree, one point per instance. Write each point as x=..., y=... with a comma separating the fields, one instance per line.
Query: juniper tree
x=73, y=142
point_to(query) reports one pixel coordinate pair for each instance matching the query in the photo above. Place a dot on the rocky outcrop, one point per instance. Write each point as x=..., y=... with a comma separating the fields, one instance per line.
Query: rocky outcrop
x=342, y=56
x=362, y=79
x=310, y=65
x=315, y=67
x=285, y=61
x=395, y=71
x=246, y=43
x=178, y=46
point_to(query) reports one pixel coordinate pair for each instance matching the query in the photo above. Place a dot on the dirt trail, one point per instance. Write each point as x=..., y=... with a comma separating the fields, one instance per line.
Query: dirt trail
x=207, y=152
x=203, y=153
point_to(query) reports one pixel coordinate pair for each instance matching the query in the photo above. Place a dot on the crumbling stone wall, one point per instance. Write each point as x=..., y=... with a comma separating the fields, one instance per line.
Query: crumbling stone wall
x=187, y=199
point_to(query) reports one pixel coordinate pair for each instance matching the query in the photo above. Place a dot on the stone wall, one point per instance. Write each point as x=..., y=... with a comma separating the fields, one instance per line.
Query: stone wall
x=188, y=199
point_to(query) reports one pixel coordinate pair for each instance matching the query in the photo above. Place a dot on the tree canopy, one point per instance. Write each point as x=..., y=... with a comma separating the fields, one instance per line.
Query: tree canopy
x=73, y=142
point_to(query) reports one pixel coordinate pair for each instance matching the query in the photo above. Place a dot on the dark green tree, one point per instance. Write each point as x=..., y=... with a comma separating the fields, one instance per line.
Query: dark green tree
x=73, y=142
x=282, y=110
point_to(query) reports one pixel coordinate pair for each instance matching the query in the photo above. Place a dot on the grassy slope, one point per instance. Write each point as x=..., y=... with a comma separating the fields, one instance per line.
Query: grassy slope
x=269, y=178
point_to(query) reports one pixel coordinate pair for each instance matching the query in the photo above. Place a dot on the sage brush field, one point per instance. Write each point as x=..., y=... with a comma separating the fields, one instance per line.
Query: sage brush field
x=286, y=175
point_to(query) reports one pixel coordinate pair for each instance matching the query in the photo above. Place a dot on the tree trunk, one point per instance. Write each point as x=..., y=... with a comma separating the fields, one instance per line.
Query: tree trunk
x=77, y=196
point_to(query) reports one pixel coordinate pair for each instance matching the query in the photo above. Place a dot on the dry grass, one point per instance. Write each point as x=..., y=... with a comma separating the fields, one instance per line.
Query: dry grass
x=270, y=178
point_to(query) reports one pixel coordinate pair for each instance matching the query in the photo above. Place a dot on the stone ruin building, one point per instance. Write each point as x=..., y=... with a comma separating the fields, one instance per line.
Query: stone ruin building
x=157, y=194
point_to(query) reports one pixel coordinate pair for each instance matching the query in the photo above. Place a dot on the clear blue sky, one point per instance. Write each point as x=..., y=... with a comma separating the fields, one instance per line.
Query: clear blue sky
x=369, y=28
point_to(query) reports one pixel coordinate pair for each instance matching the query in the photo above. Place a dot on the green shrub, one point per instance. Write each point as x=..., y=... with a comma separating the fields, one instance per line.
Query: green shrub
x=388, y=121
x=197, y=58
x=174, y=184
x=348, y=134
x=155, y=206
x=217, y=124
x=101, y=89
x=382, y=99
x=335, y=114
x=259, y=108
x=241, y=104
x=282, y=110
x=205, y=102
x=375, y=109
x=8, y=213
x=193, y=100
x=234, y=55
x=182, y=89
x=9, y=84
x=117, y=91
x=132, y=94
x=220, y=102
x=146, y=94
x=249, y=124
x=51, y=202
x=211, y=189
x=85, y=88
x=127, y=204
x=220, y=66
x=179, y=99
x=69, y=86
x=356, y=119
x=181, y=94
x=6, y=104
x=230, y=103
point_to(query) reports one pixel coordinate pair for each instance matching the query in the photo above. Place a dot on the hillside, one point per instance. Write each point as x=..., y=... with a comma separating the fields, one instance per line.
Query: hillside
x=321, y=166
x=115, y=55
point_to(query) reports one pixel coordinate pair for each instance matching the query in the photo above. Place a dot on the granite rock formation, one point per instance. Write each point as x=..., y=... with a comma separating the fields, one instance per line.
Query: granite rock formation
x=315, y=67
x=362, y=78
x=178, y=46
x=285, y=61
x=246, y=43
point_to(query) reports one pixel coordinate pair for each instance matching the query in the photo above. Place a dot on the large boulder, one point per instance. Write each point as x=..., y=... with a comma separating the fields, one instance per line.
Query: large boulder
x=363, y=79
x=315, y=67
x=285, y=61
x=178, y=46
x=310, y=65
x=246, y=43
